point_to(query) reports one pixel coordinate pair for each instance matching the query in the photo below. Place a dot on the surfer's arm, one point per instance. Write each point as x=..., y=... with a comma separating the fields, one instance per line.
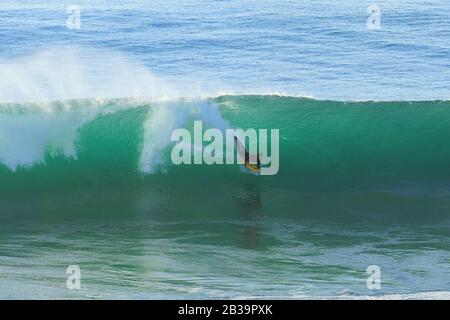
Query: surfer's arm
x=249, y=158
x=242, y=152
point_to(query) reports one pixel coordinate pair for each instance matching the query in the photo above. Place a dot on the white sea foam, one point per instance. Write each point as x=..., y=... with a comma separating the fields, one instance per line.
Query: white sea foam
x=166, y=117
x=27, y=133
x=47, y=97
x=426, y=295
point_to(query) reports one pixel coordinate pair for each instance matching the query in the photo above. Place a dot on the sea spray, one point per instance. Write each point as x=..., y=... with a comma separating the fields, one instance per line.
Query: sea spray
x=49, y=96
x=166, y=117
x=70, y=72
x=30, y=131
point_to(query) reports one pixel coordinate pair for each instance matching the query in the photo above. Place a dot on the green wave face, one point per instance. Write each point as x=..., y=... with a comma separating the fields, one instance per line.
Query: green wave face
x=372, y=154
x=358, y=142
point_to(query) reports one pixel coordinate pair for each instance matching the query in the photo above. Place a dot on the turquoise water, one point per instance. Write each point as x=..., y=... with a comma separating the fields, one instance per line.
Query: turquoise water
x=85, y=171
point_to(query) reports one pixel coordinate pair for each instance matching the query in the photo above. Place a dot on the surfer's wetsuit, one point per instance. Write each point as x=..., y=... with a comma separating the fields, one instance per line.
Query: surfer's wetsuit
x=252, y=167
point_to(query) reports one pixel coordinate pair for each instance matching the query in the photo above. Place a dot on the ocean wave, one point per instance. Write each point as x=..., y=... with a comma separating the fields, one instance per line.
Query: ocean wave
x=48, y=118
x=318, y=138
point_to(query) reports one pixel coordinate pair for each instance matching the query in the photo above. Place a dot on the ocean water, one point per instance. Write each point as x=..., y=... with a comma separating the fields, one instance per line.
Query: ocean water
x=85, y=172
